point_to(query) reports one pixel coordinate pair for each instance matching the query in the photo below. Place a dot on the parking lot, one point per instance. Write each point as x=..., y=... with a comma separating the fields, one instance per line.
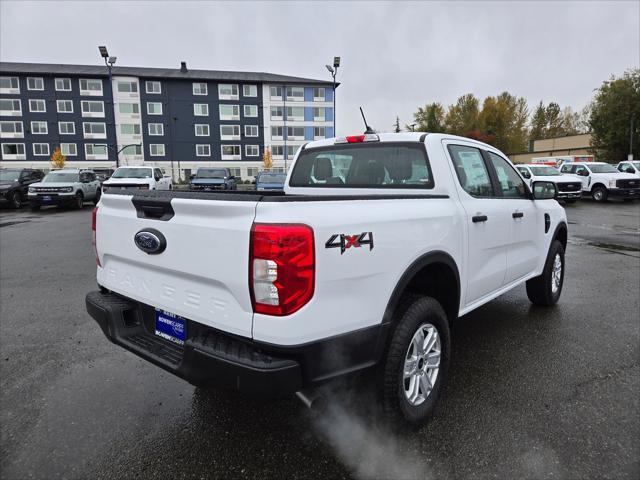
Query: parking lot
x=532, y=393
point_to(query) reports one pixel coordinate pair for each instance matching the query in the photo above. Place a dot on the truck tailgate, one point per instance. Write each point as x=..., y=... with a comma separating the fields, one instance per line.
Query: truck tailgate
x=202, y=274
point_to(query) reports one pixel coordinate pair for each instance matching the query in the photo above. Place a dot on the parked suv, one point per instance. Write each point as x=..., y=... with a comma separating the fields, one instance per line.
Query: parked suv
x=213, y=179
x=137, y=178
x=270, y=180
x=375, y=248
x=602, y=180
x=569, y=186
x=66, y=187
x=14, y=184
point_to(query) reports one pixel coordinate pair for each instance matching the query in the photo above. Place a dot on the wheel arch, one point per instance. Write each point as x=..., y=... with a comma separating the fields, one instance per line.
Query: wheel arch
x=435, y=274
x=561, y=233
x=599, y=184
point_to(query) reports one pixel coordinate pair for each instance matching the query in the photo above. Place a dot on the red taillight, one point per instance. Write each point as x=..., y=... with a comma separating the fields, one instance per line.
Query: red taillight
x=281, y=267
x=94, y=216
x=355, y=138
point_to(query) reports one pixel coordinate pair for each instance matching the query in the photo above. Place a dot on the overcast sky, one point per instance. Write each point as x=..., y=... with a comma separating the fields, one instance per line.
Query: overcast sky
x=395, y=56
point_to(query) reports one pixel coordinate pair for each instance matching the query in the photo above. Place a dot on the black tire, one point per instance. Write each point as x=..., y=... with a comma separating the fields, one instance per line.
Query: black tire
x=599, y=194
x=34, y=207
x=78, y=202
x=15, y=199
x=413, y=313
x=540, y=289
x=97, y=197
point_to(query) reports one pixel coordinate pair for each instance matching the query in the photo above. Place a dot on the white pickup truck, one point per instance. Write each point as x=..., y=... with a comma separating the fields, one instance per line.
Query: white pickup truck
x=137, y=178
x=569, y=186
x=376, y=246
x=603, y=181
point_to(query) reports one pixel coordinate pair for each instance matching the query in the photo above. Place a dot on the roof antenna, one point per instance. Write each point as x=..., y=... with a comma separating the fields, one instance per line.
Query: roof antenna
x=369, y=129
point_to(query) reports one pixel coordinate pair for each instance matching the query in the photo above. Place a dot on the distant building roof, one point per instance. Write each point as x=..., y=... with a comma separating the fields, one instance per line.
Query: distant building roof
x=168, y=73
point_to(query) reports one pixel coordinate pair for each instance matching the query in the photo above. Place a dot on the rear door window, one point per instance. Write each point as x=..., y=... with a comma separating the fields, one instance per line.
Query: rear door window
x=381, y=165
x=471, y=171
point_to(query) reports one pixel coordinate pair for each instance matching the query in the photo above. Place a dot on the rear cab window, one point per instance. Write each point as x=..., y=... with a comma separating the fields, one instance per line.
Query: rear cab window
x=387, y=165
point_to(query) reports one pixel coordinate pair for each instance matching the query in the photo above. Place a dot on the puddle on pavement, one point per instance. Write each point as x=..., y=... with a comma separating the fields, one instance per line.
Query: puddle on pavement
x=8, y=224
x=611, y=246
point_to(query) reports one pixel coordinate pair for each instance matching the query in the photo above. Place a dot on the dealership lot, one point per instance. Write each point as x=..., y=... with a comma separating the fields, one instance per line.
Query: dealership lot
x=532, y=393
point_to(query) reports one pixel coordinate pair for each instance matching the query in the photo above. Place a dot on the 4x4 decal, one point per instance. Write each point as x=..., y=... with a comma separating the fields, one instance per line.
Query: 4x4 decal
x=343, y=241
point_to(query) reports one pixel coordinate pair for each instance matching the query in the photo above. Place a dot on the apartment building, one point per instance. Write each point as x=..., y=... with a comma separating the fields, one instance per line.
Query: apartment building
x=176, y=119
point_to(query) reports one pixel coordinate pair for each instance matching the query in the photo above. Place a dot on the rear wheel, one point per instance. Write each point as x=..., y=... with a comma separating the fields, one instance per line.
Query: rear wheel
x=546, y=288
x=15, y=199
x=599, y=194
x=417, y=361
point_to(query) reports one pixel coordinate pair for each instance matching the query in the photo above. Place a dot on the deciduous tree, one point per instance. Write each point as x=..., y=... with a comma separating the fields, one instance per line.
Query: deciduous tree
x=463, y=116
x=58, y=159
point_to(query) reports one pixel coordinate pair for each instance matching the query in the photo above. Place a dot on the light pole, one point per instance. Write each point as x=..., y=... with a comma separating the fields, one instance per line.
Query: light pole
x=334, y=71
x=120, y=150
x=109, y=61
x=413, y=127
x=633, y=118
x=285, y=133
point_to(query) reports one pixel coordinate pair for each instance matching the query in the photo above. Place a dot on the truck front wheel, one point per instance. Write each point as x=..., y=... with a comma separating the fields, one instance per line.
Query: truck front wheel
x=599, y=194
x=546, y=288
x=417, y=361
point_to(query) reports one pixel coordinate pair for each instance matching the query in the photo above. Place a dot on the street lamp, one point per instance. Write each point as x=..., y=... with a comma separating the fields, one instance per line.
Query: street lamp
x=109, y=62
x=333, y=70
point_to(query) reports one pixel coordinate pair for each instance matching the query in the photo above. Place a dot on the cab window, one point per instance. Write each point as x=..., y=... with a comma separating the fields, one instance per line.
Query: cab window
x=511, y=184
x=566, y=168
x=158, y=174
x=471, y=171
x=524, y=172
x=582, y=171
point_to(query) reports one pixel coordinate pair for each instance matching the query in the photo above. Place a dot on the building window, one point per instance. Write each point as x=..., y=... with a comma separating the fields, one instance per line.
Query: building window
x=92, y=108
x=275, y=93
x=278, y=150
x=250, y=130
x=127, y=86
x=276, y=113
x=156, y=149
x=276, y=133
x=37, y=106
x=229, y=112
x=90, y=86
x=65, y=106
x=153, y=87
x=295, y=94
x=236, y=172
x=9, y=85
x=63, y=84
x=251, y=150
x=252, y=171
x=201, y=109
x=295, y=113
x=318, y=133
x=154, y=108
x=318, y=114
x=230, y=152
x=295, y=133
x=156, y=129
x=68, y=149
x=66, y=128
x=203, y=150
x=130, y=129
x=230, y=132
x=199, y=88
x=94, y=130
x=227, y=91
x=35, y=83
x=202, y=130
x=41, y=149
x=96, y=152
x=10, y=107
x=318, y=94
x=132, y=150
x=250, y=110
x=39, y=128
x=13, y=151
x=128, y=108
x=12, y=130
x=249, y=90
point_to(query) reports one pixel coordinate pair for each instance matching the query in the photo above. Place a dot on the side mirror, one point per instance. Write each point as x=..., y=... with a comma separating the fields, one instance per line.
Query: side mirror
x=544, y=190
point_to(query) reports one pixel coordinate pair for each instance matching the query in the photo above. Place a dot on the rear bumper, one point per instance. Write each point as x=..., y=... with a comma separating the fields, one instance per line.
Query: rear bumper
x=213, y=358
x=624, y=192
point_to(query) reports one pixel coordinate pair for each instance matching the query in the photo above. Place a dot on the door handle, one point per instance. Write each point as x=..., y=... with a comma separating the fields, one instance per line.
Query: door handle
x=517, y=214
x=479, y=218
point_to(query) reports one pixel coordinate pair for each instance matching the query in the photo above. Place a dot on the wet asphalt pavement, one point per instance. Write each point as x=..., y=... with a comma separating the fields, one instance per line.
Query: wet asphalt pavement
x=532, y=393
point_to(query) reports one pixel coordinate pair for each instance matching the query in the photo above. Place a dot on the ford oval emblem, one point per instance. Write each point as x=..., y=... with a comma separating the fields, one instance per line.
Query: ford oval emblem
x=150, y=241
